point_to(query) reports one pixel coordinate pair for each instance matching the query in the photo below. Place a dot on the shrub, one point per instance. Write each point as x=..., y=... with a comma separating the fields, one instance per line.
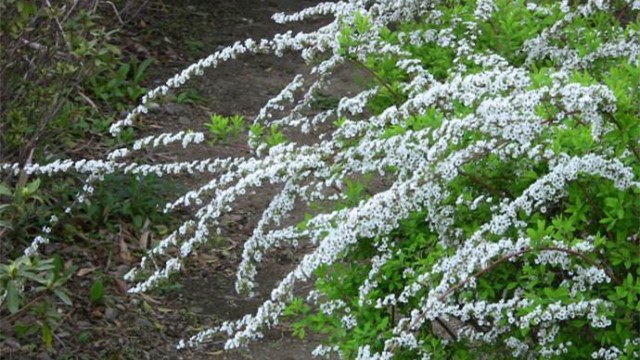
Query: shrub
x=56, y=56
x=508, y=132
x=59, y=66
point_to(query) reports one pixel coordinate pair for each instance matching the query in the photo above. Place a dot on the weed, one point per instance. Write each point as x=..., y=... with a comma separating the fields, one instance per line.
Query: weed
x=225, y=128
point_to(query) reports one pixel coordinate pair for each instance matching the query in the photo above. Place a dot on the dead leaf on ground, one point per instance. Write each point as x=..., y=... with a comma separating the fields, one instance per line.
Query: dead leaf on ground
x=122, y=286
x=68, y=264
x=124, y=253
x=146, y=233
x=84, y=271
x=150, y=299
x=205, y=259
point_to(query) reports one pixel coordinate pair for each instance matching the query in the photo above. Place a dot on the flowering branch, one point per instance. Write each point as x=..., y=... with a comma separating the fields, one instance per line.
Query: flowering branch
x=526, y=93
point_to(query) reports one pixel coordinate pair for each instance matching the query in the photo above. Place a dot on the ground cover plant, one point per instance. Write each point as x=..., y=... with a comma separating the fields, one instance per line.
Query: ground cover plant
x=480, y=196
x=63, y=78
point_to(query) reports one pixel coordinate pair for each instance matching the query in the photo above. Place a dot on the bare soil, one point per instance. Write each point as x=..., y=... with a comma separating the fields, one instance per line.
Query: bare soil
x=185, y=31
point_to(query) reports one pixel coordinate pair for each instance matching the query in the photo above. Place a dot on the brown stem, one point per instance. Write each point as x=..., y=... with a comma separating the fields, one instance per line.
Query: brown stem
x=478, y=180
x=14, y=316
x=24, y=177
x=631, y=147
x=620, y=14
x=551, y=119
x=384, y=83
x=446, y=328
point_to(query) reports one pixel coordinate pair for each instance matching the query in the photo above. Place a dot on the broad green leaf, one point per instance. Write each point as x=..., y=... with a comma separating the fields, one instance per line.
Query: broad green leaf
x=96, y=293
x=62, y=295
x=32, y=276
x=47, y=335
x=4, y=190
x=13, y=298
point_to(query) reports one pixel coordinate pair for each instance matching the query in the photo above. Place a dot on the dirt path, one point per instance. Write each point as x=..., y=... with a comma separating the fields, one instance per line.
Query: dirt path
x=181, y=32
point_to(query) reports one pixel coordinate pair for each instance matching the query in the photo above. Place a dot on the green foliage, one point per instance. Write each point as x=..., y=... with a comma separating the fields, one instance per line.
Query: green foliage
x=590, y=206
x=42, y=70
x=35, y=287
x=124, y=199
x=119, y=86
x=32, y=286
x=24, y=209
x=96, y=293
x=62, y=83
x=225, y=128
x=271, y=138
x=189, y=96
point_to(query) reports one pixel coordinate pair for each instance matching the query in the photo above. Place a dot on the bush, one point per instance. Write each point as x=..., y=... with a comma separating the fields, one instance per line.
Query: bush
x=59, y=66
x=509, y=134
x=56, y=57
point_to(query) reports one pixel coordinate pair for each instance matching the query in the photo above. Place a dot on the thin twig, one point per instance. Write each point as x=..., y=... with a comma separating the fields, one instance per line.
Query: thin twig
x=446, y=328
x=135, y=14
x=24, y=177
x=61, y=28
x=73, y=7
x=384, y=83
x=476, y=179
x=633, y=149
x=9, y=318
x=115, y=11
x=88, y=100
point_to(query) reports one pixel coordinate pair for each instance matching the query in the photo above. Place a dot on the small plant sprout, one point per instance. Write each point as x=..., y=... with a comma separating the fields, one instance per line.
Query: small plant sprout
x=224, y=128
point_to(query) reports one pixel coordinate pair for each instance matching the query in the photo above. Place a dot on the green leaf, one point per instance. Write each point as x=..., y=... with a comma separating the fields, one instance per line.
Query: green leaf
x=13, y=299
x=84, y=337
x=121, y=75
x=96, y=293
x=32, y=276
x=237, y=122
x=47, y=335
x=31, y=188
x=256, y=130
x=275, y=136
x=62, y=295
x=140, y=70
x=138, y=221
x=4, y=190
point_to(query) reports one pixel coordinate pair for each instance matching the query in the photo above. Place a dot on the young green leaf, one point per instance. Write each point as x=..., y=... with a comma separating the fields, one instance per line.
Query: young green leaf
x=13, y=297
x=96, y=293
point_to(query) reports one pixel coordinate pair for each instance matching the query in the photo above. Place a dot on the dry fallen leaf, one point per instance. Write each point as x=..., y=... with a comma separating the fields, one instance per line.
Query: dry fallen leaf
x=125, y=255
x=205, y=259
x=68, y=264
x=149, y=299
x=84, y=271
x=144, y=238
x=122, y=286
